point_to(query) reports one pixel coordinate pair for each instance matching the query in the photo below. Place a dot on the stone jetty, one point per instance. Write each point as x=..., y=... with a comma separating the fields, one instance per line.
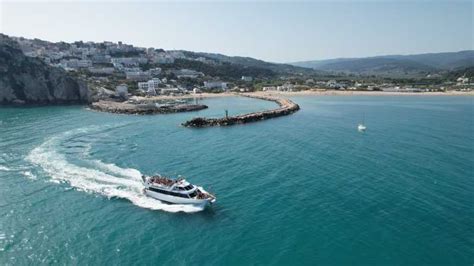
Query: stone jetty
x=286, y=107
x=144, y=108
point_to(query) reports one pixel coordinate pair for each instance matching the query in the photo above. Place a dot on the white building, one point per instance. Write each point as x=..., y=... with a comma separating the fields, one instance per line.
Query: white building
x=462, y=81
x=412, y=89
x=162, y=58
x=143, y=85
x=286, y=87
x=137, y=75
x=187, y=73
x=76, y=63
x=399, y=89
x=176, y=54
x=101, y=59
x=131, y=69
x=391, y=89
x=102, y=70
x=56, y=55
x=150, y=86
x=150, y=51
x=129, y=61
x=154, y=71
x=206, y=61
x=154, y=83
x=269, y=88
x=247, y=78
x=333, y=84
x=215, y=85
x=166, y=91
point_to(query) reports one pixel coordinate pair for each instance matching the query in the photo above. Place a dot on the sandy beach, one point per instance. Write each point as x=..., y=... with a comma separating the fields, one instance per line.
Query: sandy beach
x=362, y=93
x=305, y=93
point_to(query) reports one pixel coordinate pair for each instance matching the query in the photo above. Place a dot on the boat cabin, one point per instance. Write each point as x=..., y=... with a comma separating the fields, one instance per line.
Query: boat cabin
x=178, y=188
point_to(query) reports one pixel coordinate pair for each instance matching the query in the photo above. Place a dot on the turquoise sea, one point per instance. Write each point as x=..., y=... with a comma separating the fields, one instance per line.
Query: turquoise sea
x=305, y=189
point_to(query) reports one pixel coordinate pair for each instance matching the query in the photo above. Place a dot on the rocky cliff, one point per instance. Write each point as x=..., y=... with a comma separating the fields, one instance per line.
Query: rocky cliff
x=26, y=80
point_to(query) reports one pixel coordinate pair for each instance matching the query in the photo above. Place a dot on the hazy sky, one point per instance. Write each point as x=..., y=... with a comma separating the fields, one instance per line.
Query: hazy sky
x=272, y=31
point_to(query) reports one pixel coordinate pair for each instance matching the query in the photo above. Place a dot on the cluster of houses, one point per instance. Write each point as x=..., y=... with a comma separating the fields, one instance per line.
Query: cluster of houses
x=464, y=81
x=309, y=83
x=123, y=63
x=215, y=85
x=105, y=57
x=285, y=87
x=354, y=86
x=149, y=88
x=157, y=86
x=152, y=87
x=108, y=59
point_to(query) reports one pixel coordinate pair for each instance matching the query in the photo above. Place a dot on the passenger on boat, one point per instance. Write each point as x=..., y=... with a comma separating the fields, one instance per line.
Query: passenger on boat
x=200, y=195
x=162, y=180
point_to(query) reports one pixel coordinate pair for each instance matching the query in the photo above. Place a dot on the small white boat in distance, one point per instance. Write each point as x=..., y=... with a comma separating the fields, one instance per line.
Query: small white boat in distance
x=177, y=191
x=361, y=127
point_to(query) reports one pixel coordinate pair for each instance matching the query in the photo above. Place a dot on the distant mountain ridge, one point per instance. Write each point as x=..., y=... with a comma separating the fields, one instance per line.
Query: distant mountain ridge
x=249, y=62
x=395, y=64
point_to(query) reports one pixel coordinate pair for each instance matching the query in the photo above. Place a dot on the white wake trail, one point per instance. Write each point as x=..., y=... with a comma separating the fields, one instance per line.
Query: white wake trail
x=105, y=179
x=4, y=168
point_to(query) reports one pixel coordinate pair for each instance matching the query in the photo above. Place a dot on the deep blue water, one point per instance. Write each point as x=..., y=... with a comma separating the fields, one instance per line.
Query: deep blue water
x=305, y=189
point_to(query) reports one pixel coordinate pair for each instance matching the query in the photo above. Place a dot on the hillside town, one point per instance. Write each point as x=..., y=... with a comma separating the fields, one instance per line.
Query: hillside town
x=118, y=70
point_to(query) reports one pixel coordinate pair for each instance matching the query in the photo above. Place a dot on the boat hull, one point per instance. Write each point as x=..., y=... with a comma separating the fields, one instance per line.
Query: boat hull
x=177, y=200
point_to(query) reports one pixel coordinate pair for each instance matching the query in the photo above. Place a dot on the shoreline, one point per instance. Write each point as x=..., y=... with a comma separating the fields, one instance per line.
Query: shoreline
x=302, y=93
x=360, y=93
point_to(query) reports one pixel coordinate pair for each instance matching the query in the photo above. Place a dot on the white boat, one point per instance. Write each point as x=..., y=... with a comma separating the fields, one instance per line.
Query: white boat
x=177, y=191
x=361, y=126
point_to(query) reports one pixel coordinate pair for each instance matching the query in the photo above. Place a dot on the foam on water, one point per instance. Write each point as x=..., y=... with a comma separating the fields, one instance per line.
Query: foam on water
x=114, y=169
x=29, y=175
x=102, y=178
x=3, y=241
x=4, y=168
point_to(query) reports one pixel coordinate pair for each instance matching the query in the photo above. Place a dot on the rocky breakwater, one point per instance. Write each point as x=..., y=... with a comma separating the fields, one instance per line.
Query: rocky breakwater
x=144, y=108
x=286, y=107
